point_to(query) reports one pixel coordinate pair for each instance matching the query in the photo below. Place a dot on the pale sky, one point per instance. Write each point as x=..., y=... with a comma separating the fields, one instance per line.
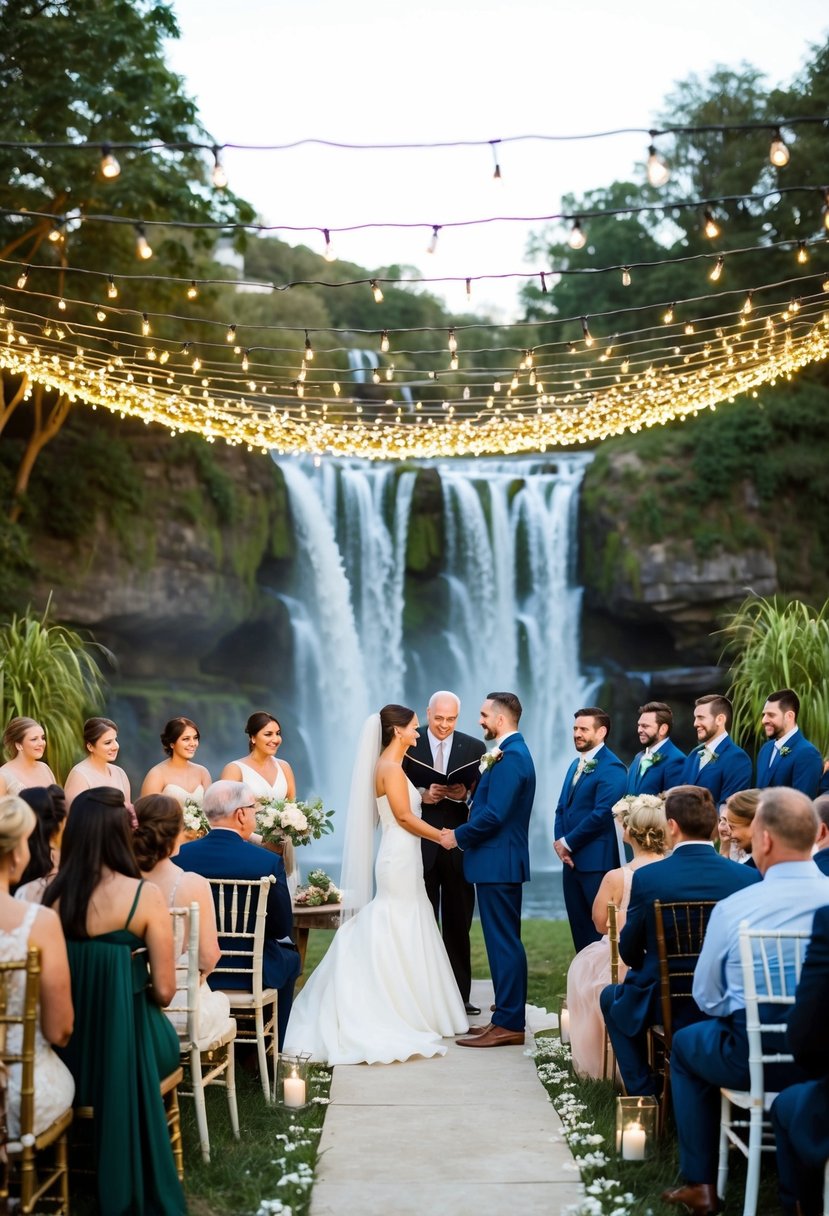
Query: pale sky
x=265, y=72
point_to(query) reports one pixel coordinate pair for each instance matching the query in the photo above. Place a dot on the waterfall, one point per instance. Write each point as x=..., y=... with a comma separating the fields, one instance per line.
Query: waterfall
x=511, y=618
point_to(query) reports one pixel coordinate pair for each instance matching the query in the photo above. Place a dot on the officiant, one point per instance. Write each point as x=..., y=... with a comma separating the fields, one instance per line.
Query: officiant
x=443, y=765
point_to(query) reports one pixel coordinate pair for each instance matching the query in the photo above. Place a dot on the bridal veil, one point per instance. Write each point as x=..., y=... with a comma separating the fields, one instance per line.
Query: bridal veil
x=357, y=876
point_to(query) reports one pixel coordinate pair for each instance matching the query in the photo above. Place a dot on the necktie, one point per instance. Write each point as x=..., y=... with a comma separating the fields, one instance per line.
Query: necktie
x=440, y=761
x=773, y=756
x=705, y=755
x=645, y=763
x=579, y=769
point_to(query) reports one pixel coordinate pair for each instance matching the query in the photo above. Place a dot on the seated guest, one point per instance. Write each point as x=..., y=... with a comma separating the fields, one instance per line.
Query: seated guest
x=22, y=926
x=226, y=852
x=693, y=871
x=645, y=830
x=786, y=758
x=120, y=942
x=714, y=1053
x=49, y=806
x=801, y=1113
x=717, y=764
x=160, y=821
x=658, y=766
x=821, y=856
x=740, y=810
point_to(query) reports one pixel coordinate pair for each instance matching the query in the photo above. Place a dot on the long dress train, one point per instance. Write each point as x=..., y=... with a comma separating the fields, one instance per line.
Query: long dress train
x=385, y=990
x=589, y=973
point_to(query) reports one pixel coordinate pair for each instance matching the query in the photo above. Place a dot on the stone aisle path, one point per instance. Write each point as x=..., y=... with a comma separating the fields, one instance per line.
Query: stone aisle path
x=471, y=1134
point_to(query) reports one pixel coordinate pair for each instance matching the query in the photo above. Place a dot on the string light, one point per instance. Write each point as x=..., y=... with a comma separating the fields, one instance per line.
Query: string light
x=469, y=281
x=710, y=226
x=826, y=209
x=62, y=304
x=245, y=361
x=453, y=363
x=658, y=172
x=143, y=249
x=230, y=336
x=112, y=290
x=433, y=243
x=669, y=315
x=219, y=176
x=328, y=252
x=778, y=152
x=101, y=315
x=802, y=253
x=384, y=341
x=496, y=174
x=452, y=341
x=145, y=324
x=309, y=350
x=543, y=278
x=577, y=239
x=626, y=276
x=716, y=273
x=56, y=233
x=748, y=306
x=192, y=290
x=376, y=291
x=109, y=165
x=23, y=277
x=585, y=329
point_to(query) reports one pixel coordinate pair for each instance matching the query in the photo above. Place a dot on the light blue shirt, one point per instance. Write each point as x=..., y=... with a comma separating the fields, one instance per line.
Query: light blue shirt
x=787, y=898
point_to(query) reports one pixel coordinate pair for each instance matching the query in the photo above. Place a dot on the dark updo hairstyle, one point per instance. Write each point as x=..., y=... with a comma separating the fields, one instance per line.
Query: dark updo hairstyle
x=390, y=717
x=94, y=728
x=97, y=835
x=15, y=733
x=173, y=731
x=257, y=722
x=49, y=806
x=160, y=820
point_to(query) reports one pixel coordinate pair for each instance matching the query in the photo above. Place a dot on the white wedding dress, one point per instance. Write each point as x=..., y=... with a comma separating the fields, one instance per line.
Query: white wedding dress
x=385, y=990
x=260, y=785
x=181, y=795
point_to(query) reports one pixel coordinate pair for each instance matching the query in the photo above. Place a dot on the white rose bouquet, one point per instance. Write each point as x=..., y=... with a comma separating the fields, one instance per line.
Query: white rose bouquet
x=320, y=890
x=195, y=820
x=278, y=820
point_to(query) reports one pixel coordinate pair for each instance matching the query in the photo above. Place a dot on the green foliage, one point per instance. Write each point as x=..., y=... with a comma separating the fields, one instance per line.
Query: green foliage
x=49, y=673
x=192, y=449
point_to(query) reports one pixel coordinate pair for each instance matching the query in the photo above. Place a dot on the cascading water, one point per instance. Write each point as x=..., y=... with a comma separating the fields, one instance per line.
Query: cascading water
x=511, y=619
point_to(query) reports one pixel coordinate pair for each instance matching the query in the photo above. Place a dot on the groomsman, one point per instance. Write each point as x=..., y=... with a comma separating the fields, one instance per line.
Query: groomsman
x=786, y=758
x=442, y=750
x=585, y=829
x=717, y=764
x=658, y=766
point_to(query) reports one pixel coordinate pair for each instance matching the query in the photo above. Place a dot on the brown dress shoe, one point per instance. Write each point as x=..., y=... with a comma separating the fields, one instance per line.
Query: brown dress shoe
x=494, y=1036
x=476, y=1030
x=700, y=1199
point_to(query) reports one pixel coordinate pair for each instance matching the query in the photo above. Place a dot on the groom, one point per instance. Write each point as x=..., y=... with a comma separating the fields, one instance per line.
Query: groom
x=496, y=858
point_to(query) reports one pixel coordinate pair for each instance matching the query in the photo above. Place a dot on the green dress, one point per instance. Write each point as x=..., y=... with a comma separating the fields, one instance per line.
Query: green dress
x=121, y=1048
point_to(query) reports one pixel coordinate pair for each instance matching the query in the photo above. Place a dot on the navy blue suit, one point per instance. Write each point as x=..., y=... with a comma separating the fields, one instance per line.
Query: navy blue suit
x=821, y=860
x=223, y=853
x=694, y=871
x=663, y=774
x=801, y=1113
x=800, y=769
x=723, y=776
x=584, y=818
x=496, y=857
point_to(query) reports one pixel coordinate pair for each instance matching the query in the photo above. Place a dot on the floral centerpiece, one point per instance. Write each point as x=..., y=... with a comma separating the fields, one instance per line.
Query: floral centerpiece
x=320, y=890
x=278, y=820
x=195, y=820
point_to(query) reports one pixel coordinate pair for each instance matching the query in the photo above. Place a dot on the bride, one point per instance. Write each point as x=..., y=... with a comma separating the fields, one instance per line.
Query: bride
x=385, y=990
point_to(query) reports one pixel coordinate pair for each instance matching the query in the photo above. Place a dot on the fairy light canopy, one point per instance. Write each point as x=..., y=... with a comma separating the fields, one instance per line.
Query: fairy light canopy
x=469, y=388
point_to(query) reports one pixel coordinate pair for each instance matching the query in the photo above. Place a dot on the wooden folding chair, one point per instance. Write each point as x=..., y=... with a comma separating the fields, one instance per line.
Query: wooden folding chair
x=680, y=932
x=211, y=1061
x=23, y=1174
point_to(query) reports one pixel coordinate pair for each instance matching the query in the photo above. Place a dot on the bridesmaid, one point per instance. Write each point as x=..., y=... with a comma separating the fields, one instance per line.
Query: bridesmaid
x=266, y=776
x=178, y=776
x=24, y=742
x=100, y=737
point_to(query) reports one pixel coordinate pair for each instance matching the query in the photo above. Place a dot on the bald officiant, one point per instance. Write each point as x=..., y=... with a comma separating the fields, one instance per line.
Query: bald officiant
x=443, y=765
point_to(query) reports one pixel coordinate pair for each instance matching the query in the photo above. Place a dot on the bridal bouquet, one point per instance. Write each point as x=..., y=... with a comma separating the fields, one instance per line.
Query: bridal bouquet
x=195, y=820
x=320, y=890
x=300, y=822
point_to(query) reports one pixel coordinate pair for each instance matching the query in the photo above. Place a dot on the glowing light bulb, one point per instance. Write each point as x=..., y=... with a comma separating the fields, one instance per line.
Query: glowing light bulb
x=230, y=336
x=62, y=304
x=192, y=290
x=336, y=388
x=658, y=171
x=109, y=165
x=710, y=226
x=514, y=383
x=219, y=175
x=143, y=249
x=328, y=252
x=469, y=281
x=689, y=328
x=101, y=315
x=245, y=361
x=778, y=152
x=748, y=305
x=433, y=243
x=669, y=315
x=56, y=234
x=452, y=341
x=23, y=277
x=390, y=372
x=626, y=276
x=112, y=290
x=376, y=291
x=375, y=375
x=802, y=253
x=384, y=341
x=309, y=350
x=716, y=273
x=301, y=374
x=145, y=324
x=577, y=239
x=588, y=337
x=453, y=363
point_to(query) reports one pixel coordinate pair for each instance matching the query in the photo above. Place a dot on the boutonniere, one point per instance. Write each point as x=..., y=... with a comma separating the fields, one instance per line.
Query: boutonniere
x=589, y=766
x=785, y=751
x=657, y=757
x=489, y=759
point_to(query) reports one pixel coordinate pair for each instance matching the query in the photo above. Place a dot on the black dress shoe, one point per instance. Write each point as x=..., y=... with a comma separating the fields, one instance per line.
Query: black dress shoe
x=471, y=1009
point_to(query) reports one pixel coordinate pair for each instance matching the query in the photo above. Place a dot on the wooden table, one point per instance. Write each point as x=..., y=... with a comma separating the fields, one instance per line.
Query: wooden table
x=326, y=916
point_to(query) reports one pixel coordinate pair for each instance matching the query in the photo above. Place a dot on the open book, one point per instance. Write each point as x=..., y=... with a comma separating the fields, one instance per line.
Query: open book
x=424, y=775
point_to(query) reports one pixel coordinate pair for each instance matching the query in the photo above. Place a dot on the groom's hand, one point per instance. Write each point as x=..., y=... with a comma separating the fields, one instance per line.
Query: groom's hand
x=456, y=792
x=447, y=838
x=564, y=853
